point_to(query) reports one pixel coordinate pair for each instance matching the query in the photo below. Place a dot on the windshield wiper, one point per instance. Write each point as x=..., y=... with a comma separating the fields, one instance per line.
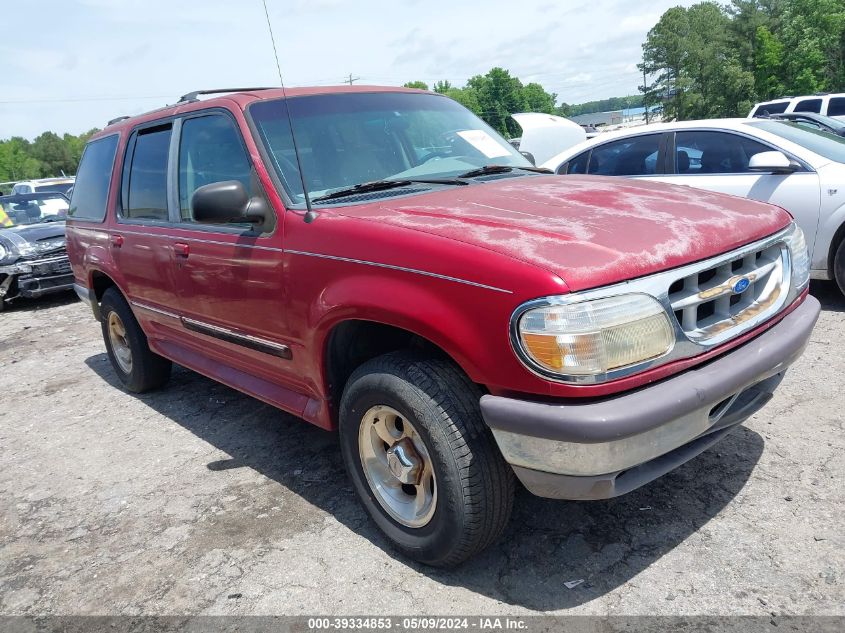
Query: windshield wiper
x=501, y=169
x=381, y=185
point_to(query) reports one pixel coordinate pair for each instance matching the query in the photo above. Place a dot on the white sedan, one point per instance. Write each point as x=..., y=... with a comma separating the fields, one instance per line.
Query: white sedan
x=799, y=169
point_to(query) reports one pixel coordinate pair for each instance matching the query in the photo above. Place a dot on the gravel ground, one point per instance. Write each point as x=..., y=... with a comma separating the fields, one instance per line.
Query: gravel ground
x=199, y=500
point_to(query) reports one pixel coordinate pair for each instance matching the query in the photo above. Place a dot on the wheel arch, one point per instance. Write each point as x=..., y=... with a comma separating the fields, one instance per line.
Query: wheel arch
x=836, y=240
x=351, y=342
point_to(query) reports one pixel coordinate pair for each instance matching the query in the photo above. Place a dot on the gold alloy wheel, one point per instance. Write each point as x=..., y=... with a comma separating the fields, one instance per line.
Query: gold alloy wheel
x=397, y=466
x=119, y=343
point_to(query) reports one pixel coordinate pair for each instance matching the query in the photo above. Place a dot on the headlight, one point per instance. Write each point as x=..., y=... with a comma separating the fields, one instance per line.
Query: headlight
x=592, y=338
x=799, y=257
x=4, y=252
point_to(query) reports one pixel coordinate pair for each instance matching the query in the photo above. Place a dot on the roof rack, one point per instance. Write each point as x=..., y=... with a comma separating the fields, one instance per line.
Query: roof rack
x=117, y=119
x=192, y=96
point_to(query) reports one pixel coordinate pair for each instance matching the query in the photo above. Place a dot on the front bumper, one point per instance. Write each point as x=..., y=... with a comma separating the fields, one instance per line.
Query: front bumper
x=602, y=449
x=39, y=277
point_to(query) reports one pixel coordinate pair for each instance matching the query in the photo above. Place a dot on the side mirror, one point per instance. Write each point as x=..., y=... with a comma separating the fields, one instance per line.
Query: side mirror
x=227, y=201
x=772, y=162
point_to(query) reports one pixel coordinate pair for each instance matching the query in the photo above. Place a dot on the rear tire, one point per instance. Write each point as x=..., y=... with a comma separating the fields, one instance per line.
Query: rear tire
x=434, y=407
x=138, y=368
x=839, y=266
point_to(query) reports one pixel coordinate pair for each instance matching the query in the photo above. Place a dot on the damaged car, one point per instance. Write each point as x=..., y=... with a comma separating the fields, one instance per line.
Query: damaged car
x=33, y=259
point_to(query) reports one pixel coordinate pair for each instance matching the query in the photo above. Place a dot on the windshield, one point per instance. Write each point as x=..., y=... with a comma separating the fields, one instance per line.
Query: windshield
x=349, y=139
x=60, y=187
x=824, y=144
x=32, y=208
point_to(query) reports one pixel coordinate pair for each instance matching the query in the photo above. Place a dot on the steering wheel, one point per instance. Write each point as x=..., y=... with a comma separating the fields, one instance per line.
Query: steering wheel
x=432, y=156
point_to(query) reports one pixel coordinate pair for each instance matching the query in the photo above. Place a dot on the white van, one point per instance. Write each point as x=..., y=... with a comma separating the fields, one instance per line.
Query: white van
x=832, y=105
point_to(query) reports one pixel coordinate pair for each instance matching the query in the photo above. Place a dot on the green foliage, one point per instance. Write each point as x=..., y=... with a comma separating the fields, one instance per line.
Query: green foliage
x=419, y=85
x=48, y=155
x=710, y=60
x=497, y=95
x=442, y=86
x=768, y=65
x=602, y=105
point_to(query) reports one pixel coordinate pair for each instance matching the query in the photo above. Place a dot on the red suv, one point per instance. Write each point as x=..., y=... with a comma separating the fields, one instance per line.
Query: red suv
x=381, y=263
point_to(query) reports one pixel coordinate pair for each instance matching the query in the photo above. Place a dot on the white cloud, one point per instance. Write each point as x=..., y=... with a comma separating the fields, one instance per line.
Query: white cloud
x=155, y=50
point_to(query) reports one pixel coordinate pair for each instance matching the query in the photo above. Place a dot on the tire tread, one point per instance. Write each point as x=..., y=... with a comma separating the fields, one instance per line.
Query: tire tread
x=486, y=479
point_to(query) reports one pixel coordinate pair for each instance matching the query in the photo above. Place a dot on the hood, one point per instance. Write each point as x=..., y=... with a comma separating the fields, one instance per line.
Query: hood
x=544, y=136
x=22, y=241
x=589, y=230
x=35, y=232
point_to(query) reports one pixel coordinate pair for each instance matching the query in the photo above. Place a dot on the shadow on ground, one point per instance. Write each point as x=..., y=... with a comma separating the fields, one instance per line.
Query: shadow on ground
x=828, y=294
x=42, y=303
x=547, y=543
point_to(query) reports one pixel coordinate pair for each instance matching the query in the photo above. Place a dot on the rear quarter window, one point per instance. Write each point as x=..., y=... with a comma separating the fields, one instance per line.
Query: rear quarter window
x=836, y=107
x=91, y=190
x=809, y=105
x=778, y=107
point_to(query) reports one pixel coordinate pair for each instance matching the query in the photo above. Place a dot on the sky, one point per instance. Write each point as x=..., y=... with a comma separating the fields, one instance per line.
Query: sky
x=71, y=65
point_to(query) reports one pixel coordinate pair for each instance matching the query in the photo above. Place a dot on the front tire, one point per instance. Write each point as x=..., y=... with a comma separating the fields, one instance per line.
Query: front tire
x=421, y=458
x=138, y=367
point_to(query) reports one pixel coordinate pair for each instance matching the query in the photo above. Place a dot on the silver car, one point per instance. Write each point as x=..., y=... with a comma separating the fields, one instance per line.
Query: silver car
x=799, y=169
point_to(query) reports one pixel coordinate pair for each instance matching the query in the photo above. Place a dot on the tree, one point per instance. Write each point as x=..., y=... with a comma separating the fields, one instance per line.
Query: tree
x=768, y=65
x=499, y=95
x=813, y=36
x=536, y=99
x=53, y=153
x=419, y=85
x=443, y=86
x=466, y=97
x=602, y=105
x=708, y=60
x=694, y=66
x=747, y=17
x=16, y=161
x=48, y=155
x=664, y=58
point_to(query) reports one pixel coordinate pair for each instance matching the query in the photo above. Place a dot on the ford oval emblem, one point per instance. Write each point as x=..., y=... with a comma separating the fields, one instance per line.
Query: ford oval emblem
x=741, y=285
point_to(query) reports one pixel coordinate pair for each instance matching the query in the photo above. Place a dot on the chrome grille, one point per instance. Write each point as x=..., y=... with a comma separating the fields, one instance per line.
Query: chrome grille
x=708, y=304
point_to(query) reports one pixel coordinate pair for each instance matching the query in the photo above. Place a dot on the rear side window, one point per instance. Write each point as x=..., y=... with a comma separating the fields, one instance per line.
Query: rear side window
x=629, y=157
x=210, y=150
x=146, y=176
x=771, y=108
x=836, y=107
x=578, y=165
x=809, y=105
x=91, y=189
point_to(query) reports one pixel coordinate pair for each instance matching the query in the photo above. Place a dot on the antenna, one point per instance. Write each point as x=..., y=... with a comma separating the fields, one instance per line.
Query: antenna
x=310, y=214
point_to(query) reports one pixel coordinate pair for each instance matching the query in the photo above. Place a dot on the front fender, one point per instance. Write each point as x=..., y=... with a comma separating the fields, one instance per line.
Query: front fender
x=436, y=313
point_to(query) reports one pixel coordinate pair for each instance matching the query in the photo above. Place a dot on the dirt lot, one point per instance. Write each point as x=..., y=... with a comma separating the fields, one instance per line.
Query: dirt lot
x=197, y=499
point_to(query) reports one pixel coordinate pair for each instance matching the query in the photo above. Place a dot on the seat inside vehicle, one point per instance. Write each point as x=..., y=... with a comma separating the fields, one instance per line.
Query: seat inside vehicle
x=682, y=161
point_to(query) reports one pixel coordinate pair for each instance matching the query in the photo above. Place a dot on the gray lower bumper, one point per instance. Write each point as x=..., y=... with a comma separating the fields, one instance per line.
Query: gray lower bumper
x=39, y=286
x=604, y=448
x=86, y=295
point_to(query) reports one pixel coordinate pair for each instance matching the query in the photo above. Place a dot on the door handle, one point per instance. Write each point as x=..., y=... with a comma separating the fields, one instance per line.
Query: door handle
x=181, y=249
x=116, y=240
